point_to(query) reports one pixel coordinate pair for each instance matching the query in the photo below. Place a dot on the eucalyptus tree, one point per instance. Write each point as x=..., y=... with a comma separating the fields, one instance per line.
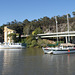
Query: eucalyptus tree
x=26, y=21
x=73, y=13
x=26, y=30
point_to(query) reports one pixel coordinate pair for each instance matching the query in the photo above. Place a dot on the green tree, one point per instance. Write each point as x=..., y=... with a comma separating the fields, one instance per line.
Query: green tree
x=13, y=36
x=33, y=43
x=73, y=13
x=37, y=31
x=25, y=22
x=26, y=30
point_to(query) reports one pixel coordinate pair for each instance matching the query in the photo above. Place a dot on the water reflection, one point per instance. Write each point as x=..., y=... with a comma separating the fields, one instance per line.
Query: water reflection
x=8, y=60
x=33, y=52
x=35, y=62
x=60, y=64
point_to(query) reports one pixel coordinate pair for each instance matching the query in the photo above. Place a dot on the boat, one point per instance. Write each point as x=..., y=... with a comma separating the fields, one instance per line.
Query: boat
x=64, y=48
x=12, y=45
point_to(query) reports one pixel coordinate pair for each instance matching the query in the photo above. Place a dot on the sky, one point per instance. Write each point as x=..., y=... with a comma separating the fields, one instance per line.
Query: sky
x=20, y=10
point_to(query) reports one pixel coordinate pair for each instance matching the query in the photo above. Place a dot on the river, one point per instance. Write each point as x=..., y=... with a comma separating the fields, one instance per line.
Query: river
x=34, y=62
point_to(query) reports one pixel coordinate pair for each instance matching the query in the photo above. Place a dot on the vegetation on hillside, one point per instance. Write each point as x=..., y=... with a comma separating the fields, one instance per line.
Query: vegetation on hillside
x=41, y=25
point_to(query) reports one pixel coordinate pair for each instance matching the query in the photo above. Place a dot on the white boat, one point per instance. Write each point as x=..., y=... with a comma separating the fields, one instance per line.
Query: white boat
x=12, y=45
x=62, y=49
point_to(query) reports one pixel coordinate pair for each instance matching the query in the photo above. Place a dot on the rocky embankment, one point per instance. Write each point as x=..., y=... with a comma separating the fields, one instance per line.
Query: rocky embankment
x=61, y=27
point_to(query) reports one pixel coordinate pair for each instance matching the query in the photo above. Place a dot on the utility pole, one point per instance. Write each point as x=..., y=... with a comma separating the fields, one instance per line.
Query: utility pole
x=56, y=27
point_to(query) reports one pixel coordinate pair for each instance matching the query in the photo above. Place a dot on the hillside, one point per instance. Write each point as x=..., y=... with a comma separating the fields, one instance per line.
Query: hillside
x=45, y=24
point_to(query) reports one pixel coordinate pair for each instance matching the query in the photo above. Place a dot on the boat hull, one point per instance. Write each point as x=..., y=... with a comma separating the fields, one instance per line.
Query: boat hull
x=12, y=47
x=47, y=51
x=52, y=51
x=63, y=51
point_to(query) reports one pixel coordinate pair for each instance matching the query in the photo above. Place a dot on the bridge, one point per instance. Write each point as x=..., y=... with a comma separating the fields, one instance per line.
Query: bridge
x=66, y=34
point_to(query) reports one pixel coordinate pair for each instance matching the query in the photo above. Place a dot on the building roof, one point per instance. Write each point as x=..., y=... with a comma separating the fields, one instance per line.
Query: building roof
x=67, y=44
x=10, y=28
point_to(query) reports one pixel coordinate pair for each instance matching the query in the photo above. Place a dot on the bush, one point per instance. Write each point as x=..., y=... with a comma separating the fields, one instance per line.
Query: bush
x=41, y=43
x=23, y=40
x=34, y=43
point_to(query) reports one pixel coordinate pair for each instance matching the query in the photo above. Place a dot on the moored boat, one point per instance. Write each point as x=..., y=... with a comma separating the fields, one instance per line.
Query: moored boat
x=62, y=49
x=12, y=45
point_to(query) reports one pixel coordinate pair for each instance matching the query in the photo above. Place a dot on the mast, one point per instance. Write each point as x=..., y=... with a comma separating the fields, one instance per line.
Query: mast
x=68, y=27
x=56, y=27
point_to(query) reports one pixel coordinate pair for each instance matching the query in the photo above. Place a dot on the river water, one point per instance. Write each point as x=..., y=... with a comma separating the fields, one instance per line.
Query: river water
x=35, y=62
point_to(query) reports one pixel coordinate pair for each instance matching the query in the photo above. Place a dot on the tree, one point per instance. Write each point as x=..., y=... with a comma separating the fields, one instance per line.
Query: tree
x=1, y=31
x=69, y=15
x=37, y=31
x=26, y=30
x=64, y=16
x=13, y=36
x=73, y=13
x=25, y=22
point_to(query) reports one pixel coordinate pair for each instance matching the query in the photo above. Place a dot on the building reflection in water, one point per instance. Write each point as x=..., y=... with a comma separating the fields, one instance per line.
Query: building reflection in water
x=8, y=61
x=18, y=62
